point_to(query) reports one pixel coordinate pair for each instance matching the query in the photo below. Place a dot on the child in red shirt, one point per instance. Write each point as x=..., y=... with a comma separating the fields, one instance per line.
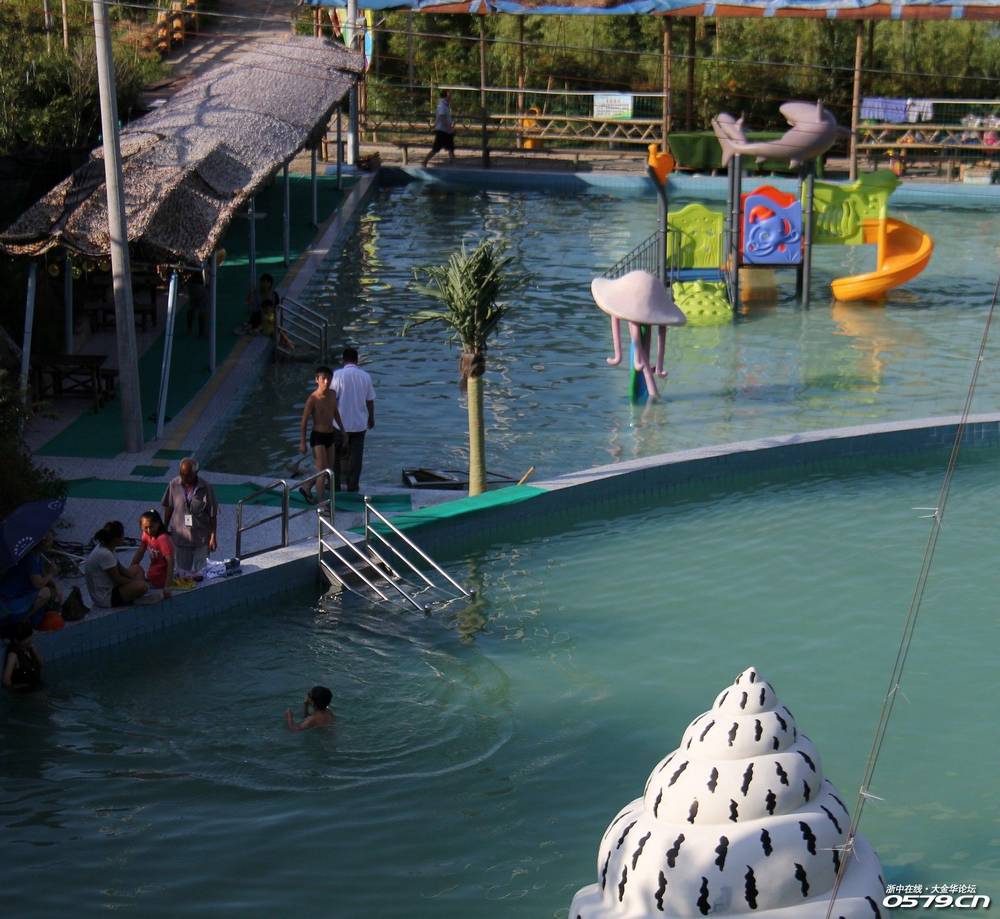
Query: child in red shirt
x=157, y=542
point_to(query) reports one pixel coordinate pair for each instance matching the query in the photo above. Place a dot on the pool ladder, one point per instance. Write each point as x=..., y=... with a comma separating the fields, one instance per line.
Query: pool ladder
x=300, y=332
x=361, y=568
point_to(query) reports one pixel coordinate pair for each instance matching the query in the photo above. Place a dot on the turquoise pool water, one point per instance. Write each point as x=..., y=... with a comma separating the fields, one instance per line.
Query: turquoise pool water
x=551, y=400
x=480, y=753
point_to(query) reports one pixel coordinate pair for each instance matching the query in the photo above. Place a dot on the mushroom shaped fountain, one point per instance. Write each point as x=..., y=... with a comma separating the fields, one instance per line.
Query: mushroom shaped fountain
x=738, y=821
x=641, y=300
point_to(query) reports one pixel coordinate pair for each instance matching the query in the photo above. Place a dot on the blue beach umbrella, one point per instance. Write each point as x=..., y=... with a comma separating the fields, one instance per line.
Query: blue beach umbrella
x=25, y=527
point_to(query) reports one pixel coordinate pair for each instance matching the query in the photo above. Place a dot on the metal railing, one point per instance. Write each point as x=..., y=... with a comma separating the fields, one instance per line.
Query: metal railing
x=372, y=568
x=648, y=256
x=300, y=331
x=284, y=514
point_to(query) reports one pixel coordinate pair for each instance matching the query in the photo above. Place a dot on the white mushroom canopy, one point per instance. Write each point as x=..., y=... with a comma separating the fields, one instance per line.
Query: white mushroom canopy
x=738, y=821
x=637, y=297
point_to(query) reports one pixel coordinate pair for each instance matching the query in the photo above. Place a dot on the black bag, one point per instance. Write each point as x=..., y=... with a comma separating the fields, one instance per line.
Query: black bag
x=73, y=607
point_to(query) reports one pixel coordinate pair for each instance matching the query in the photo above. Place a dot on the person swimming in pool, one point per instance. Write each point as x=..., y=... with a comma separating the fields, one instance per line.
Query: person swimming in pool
x=315, y=711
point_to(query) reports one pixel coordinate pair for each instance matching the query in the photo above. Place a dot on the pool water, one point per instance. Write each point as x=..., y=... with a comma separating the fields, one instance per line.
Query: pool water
x=552, y=401
x=480, y=752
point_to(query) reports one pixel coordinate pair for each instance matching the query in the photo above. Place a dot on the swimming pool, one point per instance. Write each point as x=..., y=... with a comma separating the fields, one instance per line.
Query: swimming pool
x=551, y=400
x=481, y=753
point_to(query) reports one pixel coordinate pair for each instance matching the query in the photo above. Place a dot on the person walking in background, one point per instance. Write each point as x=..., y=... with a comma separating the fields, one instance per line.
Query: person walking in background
x=444, y=130
x=190, y=515
x=356, y=401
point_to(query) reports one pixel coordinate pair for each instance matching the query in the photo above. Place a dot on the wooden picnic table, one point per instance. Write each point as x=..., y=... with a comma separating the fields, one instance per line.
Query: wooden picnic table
x=58, y=375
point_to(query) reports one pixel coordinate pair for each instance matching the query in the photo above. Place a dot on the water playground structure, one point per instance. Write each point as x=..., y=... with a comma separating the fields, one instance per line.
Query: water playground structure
x=711, y=260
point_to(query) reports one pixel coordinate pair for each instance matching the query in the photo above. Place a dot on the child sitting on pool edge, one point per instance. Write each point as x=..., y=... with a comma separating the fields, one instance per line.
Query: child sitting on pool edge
x=318, y=698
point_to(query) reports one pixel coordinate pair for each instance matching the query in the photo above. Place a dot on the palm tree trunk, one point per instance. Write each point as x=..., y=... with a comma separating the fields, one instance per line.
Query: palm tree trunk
x=477, y=437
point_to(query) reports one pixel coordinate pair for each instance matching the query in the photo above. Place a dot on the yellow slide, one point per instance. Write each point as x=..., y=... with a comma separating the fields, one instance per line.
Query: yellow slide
x=903, y=252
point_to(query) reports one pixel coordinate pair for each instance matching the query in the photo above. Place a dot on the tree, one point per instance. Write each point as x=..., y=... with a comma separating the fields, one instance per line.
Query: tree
x=22, y=479
x=469, y=286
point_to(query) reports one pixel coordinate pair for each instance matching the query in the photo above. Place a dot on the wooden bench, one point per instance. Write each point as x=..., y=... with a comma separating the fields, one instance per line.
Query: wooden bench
x=85, y=375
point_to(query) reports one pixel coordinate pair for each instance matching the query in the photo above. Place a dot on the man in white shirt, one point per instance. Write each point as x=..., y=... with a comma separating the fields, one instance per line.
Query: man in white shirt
x=444, y=130
x=356, y=401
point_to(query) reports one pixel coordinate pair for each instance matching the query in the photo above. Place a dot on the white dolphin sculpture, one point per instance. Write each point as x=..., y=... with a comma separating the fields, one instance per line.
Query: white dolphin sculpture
x=813, y=132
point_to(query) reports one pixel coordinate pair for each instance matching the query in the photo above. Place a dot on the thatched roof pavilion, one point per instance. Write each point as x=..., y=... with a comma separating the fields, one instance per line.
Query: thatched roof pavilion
x=191, y=164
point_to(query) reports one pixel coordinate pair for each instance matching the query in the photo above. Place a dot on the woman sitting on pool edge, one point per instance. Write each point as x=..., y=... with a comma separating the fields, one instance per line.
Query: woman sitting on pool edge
x=108, y=581
x=318, y=698
x=160, y=546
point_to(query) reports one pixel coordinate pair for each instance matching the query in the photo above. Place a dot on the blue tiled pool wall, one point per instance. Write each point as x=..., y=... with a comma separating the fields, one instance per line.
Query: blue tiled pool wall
x=713, y=188
x=227, y=595
x=593, y=494
x=611, y=492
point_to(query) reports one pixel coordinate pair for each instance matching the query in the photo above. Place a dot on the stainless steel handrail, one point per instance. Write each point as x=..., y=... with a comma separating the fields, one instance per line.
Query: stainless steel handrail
x=291, y=312
x=323, y=544
x=328, y=502
x=283, y=514
x=369, y=510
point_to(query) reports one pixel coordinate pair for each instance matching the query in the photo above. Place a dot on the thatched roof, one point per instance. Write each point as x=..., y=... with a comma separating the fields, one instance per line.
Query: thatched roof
x=835, y=9
x=191, y=164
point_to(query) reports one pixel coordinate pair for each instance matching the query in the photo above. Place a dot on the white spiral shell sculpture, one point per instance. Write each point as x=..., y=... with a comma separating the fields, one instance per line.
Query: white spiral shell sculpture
x=738, y=821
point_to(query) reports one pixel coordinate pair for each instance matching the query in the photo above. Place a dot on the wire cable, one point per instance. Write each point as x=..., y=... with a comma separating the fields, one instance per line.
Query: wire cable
x=896, y=677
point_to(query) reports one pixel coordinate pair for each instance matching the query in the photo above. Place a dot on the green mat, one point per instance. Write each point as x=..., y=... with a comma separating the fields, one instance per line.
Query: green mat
x=171, y=454
x=99, y=434
x=510, y=495
x=150, y=472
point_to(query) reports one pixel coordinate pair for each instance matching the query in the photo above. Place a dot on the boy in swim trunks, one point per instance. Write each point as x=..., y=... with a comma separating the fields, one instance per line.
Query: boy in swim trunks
x=321, y=406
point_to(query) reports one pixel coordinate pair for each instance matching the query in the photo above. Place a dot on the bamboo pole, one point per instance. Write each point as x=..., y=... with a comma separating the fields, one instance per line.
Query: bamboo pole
x=65, y=25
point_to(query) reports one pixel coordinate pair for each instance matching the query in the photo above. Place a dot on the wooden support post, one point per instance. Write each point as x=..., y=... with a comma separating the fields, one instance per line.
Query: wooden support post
x=286, y=217
x=252, y=256
x=29, y=324
x=65, y=25
x=689, y=114
x=668, y=34
x=313, y=183
x=213, y=317
x=482, y=91
x=859, y=47
x=67, y=304
x=168, y=348
x=520, y=80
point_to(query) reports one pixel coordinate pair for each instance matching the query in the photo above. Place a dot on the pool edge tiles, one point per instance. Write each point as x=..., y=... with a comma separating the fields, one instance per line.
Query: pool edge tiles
x=474, y=522
x=688, y=186
x=470, y=523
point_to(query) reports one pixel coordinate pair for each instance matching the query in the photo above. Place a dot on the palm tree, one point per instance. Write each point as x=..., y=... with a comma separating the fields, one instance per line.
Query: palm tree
x=469, y=286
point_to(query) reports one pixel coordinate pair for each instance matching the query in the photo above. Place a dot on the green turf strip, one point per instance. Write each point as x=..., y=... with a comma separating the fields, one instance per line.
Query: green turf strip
x=99, y=434
x=171, y=454
x=150, y=472
x=425, y=515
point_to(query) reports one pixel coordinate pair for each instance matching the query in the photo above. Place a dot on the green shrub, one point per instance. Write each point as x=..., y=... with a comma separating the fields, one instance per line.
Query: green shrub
x=22, y=480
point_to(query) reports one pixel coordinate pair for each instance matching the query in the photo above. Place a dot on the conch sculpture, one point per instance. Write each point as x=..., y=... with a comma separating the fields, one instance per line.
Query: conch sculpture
x=737, y=822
